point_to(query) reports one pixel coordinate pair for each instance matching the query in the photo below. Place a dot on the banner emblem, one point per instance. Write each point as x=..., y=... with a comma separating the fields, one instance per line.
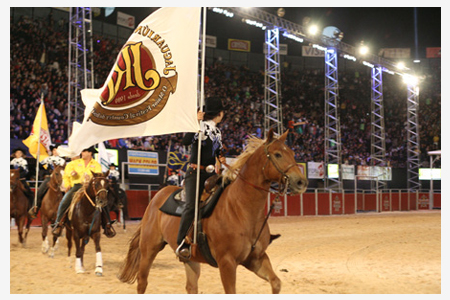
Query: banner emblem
x=135, y=92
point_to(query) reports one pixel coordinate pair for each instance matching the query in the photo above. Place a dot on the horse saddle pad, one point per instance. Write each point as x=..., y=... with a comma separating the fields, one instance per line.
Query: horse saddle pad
x=174, y=205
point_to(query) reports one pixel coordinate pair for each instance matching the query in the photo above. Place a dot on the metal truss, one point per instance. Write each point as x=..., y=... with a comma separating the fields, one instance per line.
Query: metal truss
x=273, y=116
x=413, y=140
x=332, y=123
x=377, y=128
x=81, y=64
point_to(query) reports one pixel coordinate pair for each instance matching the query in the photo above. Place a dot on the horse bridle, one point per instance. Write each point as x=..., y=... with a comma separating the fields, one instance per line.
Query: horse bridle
x=95, y=191
x=277, y=167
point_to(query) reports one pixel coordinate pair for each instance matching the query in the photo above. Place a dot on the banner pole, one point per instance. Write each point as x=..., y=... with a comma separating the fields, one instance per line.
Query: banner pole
x=167, y=162
x=200, y=135
x=38, y=150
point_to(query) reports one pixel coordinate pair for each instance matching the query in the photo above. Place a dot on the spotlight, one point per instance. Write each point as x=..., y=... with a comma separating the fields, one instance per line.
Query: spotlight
x=363, y=50
x=401, y=65
x=281, y=12
x=313, y=29
x=409, y=79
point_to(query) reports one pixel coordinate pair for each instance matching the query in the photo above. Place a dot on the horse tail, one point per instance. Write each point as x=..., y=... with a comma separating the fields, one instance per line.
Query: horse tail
x=130, y=267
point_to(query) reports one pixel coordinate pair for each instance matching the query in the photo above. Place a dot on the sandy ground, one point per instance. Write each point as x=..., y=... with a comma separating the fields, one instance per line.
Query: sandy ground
x=393, y=253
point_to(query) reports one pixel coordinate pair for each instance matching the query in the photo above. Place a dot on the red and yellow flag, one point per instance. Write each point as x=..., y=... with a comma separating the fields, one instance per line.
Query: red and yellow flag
x=40, y=125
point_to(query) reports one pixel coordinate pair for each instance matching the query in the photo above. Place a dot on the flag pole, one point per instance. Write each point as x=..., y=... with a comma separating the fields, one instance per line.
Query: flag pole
x=38, y=150
x=167, y=161
x=200, y=137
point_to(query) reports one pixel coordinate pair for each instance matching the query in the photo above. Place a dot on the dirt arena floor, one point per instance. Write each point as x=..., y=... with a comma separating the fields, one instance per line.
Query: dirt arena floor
x=371, y=253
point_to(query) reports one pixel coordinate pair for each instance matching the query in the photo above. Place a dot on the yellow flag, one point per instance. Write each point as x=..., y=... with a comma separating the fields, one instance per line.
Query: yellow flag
x=39, y=125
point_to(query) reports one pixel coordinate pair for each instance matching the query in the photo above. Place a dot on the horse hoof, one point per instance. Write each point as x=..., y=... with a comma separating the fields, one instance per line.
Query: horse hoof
x=82, y=271
x=99, y=273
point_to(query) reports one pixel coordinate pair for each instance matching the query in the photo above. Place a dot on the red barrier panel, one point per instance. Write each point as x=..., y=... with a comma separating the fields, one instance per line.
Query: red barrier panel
x=424, y=201
x=349, y=203
x=395, y=201
x=370, y=202
x=323, y=203
x=385, y=204
x=277, y=210
x=436, y=200
x=293, y=205
x=309, y=204
x=404, y=201
x=412, y=201
x=336, y=203
x=137, y=203
x=359, y=201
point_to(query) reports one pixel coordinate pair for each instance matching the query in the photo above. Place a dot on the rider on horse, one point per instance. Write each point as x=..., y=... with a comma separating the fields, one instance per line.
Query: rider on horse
x=51, y=162
x=19, y=162
x=211, y=145
x=76, y=173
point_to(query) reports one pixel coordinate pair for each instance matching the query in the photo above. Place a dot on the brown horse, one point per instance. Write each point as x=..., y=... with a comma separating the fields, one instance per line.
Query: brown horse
x=85, y=218
x=236, y=231
x=18, y=204
x=49, y=208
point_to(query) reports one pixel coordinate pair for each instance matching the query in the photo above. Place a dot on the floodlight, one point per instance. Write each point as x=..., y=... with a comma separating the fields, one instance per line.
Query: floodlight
x=364, y=50
x=409, y=79
x=313, y=29
x=401, y=65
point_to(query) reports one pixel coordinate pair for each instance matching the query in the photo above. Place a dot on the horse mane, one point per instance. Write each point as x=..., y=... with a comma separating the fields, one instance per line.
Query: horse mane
x=252, y=143
x=76, y=198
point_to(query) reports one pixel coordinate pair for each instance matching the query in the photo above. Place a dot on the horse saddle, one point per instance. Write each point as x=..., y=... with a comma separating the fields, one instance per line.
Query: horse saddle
x=175, y=203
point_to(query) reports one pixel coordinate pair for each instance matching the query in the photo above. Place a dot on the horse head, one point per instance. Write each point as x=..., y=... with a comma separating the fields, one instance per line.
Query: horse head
x=14, y=179
x=98, y=187
x=56, y=177
x=281, y=165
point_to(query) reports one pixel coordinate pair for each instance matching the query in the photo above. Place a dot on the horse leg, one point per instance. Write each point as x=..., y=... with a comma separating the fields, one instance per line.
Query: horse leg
x=192, y=275
x=153, y=245
x=98, y=255
x=227, y=268
x=79, y=269
x=263, y=268
x=45, y=246
x=20, y=224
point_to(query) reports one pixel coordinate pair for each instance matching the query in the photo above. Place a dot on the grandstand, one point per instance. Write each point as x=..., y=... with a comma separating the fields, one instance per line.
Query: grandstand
x=39, y=64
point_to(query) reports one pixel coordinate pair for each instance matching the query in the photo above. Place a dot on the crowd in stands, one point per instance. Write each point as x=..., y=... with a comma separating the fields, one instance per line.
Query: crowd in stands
x=38, y=66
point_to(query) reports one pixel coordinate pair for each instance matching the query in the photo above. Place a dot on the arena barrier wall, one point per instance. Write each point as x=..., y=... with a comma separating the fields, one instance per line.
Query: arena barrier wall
x=314, y=203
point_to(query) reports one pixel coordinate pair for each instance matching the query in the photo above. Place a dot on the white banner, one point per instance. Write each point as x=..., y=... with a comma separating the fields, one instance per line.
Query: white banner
x=395, y=52
x=125, y=20
x=348, y=172
x=152, y=87
x=315, y=170
x=312, y=52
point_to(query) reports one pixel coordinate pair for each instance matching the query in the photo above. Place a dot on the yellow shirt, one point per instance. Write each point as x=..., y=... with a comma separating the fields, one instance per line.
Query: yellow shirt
x=78, y=166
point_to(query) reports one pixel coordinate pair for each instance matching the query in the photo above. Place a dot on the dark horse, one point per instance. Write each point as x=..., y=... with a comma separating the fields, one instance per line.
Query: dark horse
x=85, y=219
x=49, y=208
x=118, y=203
x=18, y=205
x=236, y=231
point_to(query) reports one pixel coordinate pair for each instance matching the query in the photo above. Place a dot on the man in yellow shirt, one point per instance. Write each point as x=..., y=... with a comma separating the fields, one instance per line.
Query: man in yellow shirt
x=75, y=174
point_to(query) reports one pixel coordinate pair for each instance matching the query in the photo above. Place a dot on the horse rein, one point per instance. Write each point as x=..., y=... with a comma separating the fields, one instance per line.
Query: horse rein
x=96, y=192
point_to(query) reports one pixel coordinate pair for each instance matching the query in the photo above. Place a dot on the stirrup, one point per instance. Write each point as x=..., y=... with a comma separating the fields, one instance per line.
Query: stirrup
x=57, y=230
x=32, y=212
x=183, y=253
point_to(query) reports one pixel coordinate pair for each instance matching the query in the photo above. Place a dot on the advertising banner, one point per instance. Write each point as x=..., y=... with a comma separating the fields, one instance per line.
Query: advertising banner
x=143, y=157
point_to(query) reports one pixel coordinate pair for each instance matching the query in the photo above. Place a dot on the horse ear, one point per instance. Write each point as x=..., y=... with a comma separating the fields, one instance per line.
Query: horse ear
x=269, y=136
x=106, y=174
x=284, y=136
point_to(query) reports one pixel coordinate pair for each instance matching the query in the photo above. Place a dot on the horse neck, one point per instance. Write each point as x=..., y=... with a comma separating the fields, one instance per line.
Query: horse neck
x=252, y=186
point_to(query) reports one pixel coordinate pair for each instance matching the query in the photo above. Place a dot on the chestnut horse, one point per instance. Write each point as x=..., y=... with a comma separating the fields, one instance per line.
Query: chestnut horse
x=18, y=205
x=85, y=219
x=49, y=208
x=236, y=231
